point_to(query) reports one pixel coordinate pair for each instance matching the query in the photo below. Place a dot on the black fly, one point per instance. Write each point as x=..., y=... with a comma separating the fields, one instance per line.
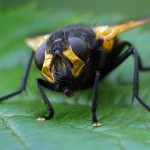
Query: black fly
x=77, y=57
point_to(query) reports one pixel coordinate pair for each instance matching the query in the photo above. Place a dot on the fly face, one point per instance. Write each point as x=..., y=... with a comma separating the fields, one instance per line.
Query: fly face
x=65, y=57
x=58, y=66
x=59, y=69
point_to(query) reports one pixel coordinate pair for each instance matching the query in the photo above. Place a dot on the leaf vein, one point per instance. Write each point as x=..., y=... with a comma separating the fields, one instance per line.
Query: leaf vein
x=5, y=122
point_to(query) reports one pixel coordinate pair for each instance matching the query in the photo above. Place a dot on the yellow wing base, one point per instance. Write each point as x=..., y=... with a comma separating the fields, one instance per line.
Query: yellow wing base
x=108, y=33
x=36, y=42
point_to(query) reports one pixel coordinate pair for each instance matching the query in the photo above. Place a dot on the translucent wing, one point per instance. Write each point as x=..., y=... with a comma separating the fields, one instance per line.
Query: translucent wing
x=36, y=42
x=110, y=32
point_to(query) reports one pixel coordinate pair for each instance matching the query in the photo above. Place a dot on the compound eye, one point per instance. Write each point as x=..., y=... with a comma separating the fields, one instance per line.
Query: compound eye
x=79, y=47
x=40, y=56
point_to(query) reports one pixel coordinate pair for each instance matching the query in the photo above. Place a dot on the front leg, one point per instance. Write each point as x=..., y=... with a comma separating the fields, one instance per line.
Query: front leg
x=50, y=108
x=94, y=101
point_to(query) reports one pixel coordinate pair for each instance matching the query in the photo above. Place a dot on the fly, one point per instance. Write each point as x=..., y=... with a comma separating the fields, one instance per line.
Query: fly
x=77, y=57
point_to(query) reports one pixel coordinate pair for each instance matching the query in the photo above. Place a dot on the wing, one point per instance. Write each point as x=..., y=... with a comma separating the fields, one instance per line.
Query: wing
x=110, y=32
x=37, y=41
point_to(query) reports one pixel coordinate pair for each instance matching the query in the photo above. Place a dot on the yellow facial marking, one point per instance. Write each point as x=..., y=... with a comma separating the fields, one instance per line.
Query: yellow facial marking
x=46, y=67
x=78, y=64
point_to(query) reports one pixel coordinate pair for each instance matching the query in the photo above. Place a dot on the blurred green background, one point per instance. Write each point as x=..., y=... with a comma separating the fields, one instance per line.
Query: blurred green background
x=129, y=8
x=124, y=126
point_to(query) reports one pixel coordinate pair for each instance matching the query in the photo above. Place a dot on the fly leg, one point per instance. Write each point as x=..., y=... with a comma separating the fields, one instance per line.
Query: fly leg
x=137, y=63
x=142, y=67
x=42, y=83
x=23, y=83
x=137, y=66
x=94, y=100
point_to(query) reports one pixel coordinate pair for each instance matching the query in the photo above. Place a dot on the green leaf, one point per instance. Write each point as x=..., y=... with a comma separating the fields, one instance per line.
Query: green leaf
x=124, y=126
